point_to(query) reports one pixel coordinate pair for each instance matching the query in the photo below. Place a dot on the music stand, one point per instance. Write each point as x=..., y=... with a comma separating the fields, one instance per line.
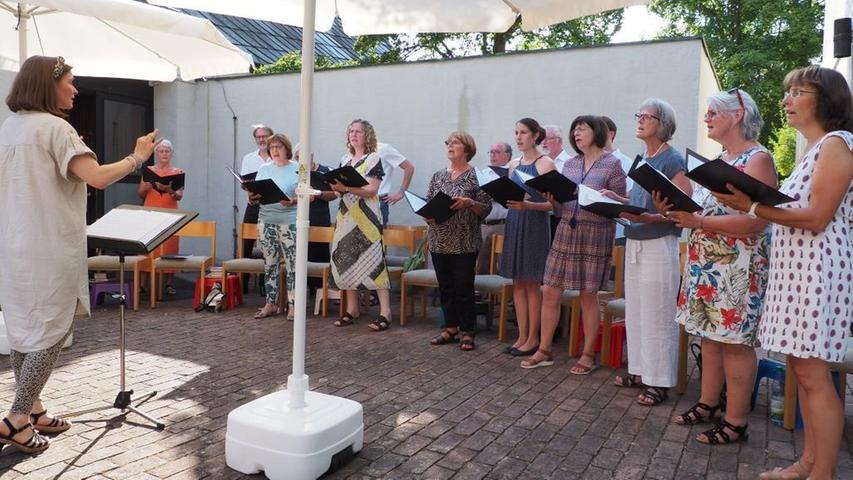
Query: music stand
x=132, y=230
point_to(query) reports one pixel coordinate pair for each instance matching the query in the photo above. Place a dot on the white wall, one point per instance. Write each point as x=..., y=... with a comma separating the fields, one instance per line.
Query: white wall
x=414, y=107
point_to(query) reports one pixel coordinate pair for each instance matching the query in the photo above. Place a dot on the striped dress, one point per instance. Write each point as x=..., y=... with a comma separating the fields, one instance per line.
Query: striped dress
x=358, y=258
x=580, y=257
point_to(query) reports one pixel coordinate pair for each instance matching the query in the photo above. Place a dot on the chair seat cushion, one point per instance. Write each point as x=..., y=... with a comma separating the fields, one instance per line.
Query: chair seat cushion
x=110, y=262
x=569, y=295
x=395, y=260
x=421, y=277
x=315, y=269
x=192, y=262
x=244, y=265
x=491, y=283
x=616, y=307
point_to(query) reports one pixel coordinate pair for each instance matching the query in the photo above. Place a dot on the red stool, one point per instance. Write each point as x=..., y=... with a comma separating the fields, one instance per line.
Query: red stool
x=234, y=293
x=617, y=340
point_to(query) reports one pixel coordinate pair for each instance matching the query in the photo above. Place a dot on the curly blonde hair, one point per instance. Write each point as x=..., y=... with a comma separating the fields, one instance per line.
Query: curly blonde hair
x=371, y=143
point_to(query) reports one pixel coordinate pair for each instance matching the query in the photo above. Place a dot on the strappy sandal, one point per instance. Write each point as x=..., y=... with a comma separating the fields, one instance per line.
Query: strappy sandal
x=267, y=312
x=798, y=471
x=170, y=290
x=441, y=339
x=346, y=320
x=467, y=342
x=56, y=425
x=693, y=417
x=380, y=323
x=719, y=436
x=36, y=443
x=628, y=381
x=532, y=362
x=580, y=369
x=653, y=396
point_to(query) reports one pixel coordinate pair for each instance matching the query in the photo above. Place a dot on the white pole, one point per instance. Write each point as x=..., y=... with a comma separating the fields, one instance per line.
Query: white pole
x=23, y=17
x=297, y=383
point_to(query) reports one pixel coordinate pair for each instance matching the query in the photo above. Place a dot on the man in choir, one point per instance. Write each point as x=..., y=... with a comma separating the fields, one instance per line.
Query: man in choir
x=553, y=145
x=499, y=155
x=392, y=160
x=252, y=161
x=626, y=162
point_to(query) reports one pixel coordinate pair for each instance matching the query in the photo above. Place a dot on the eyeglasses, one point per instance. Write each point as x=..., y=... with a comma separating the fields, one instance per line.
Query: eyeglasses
x=497, y=152
x=258, y=137
x=797, y=92
x=452, y=142
x=275, y=146
x=736, y=91
x=644, y=117
x=710, y=115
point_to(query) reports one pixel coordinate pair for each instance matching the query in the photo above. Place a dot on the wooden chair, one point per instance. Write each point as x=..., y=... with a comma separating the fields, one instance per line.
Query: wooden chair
x=242, y=265
x=424, y=278
x=571, y=299
x=323, y=270
x=132, y=263
x=405, y=238
x=200, y=263
x=496, y=285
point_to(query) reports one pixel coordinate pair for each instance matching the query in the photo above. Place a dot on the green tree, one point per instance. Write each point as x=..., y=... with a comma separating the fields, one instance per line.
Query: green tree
x=591, y=30
x=784, y=147
x=292, y=62
x=753, y=43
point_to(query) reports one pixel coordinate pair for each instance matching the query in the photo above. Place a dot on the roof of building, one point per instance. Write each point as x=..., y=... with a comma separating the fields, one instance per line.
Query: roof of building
x=266, y=42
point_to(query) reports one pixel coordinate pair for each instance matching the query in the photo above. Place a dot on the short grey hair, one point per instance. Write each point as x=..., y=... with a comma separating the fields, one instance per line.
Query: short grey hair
x=666, y=117
x=750, y=125
x=164, y=144
x=260, y=126
x=507, y=148
x=555, y=129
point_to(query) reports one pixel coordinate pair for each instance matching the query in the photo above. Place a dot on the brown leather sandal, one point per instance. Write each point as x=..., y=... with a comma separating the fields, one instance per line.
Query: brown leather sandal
x=532, y=362
x=36, y=443
x=56, y=425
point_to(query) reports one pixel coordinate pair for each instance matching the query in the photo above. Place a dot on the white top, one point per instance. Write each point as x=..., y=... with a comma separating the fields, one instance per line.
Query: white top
x=391, y=160
x=498, y=212
x=560, y=161
x=252, y=161
x=43, y=230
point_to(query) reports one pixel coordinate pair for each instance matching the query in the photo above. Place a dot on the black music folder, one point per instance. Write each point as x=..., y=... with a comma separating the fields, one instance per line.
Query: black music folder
x=501, y=171
x=652, y=180
x=175, y=181
x=715, y=174
x=136, y=230
x=319, y=182
x=593, y=201
x=346, y=175
x=248, y=177
x=437, y=208
x=266, y=188
x=555, y=183
x=500, y=188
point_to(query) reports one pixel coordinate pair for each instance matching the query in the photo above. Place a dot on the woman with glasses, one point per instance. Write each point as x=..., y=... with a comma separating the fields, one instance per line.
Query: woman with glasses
x=651, y=265
x=454, y=243
x=358, y=255
x=725, y=273
x=809, y=299
x=527, y=238
x=277, y=225
x=579, y=258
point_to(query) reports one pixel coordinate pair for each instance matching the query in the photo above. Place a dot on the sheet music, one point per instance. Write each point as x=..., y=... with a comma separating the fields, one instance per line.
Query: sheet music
x=523, y=176
x=415, y=201
x=132, y=225
x=588, y=196
x=486, y=175
x=693, y=162
x=236, y=175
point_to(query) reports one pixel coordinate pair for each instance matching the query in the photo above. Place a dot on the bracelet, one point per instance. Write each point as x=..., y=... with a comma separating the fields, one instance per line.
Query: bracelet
x=135, y=160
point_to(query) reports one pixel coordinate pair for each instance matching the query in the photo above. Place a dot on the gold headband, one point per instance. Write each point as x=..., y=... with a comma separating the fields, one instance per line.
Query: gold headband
x=58, y=68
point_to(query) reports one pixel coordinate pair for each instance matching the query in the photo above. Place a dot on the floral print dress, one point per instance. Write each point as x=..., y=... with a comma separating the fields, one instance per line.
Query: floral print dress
x=724, y=278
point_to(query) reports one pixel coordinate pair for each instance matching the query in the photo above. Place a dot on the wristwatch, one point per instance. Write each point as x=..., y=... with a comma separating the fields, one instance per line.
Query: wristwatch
x=751, y=212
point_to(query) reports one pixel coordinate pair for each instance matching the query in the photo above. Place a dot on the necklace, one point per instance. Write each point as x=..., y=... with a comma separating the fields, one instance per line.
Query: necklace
x=657, y=151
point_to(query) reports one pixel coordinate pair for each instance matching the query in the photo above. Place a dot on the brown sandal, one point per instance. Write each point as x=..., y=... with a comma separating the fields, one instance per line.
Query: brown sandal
x=531, y=362
x=36, y=443
x=580, y=369
x=265, y=312
x=56, y=425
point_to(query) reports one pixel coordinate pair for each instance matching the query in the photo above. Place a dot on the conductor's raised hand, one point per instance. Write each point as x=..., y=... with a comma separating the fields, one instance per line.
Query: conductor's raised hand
x=145, y=146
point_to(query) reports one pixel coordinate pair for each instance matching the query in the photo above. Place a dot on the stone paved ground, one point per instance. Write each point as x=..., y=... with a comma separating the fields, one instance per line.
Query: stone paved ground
x=430, y=412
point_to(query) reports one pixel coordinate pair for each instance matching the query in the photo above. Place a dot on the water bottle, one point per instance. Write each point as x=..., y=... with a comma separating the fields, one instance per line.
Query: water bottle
x=777, y=402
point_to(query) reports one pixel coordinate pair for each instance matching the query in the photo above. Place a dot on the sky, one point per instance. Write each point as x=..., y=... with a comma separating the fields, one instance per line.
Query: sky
x=638, y=24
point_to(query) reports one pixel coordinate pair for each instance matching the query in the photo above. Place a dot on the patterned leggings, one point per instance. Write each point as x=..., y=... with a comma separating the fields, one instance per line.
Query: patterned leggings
x=278, y=242
x=31, y=373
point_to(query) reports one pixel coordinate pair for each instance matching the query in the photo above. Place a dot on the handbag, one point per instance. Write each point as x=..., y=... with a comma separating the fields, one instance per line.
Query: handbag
x=417, y=259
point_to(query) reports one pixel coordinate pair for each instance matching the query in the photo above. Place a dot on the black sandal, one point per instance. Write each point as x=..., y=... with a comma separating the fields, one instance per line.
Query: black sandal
x=467, y=343
x=57, y=425
x=36, y=443
x=719, y=436
x=653, y=395
x=440, y=339
x=627, y=381
x=379, y=324
x=693, y=417
x=346, y=320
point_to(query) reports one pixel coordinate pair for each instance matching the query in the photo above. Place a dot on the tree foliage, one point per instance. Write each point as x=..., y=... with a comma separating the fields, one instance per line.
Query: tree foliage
x=784, y=148
x=292, y=62
x=753, y=43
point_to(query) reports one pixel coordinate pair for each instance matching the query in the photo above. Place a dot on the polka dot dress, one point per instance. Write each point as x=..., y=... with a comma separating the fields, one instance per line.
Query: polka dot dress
x=809, y=301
